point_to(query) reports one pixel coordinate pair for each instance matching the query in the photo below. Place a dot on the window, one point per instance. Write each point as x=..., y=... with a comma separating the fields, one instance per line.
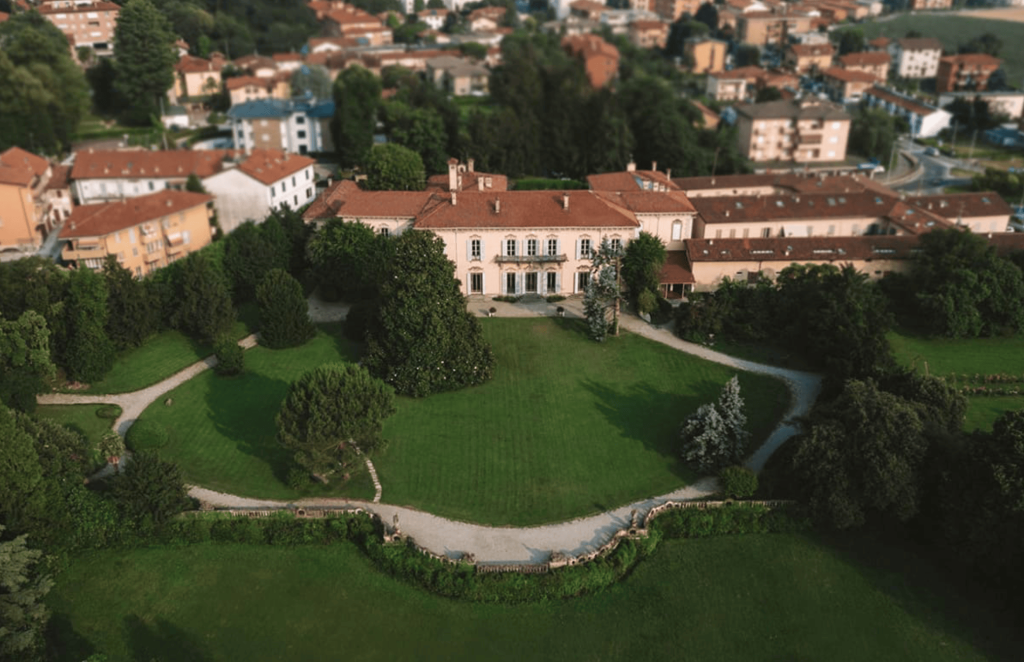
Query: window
x=154, y=246
x=810, y=230
x=552, y=247
x=300, y=134
x=831, y=230
x=117, y=237
x=138, y=272
x=284, y=187
x=476, y=283
x=135, y=251
x=616, y=244
x=272, y=193
x=307, y=174
x=309, y=193
x=746, y=232
x=766, y=232
x=300, y=120
x=718, y=234
x=295, y=201
x=531, y=248
x=552, y=283
x=531, y=282
x=185, y=237
x=475, y=249
x=510, y=283
x=384, y=232
x=582, y=279
x=584, y=248
x=677, y=231
x=152, y=186
x=293, y=181
x=510, y=247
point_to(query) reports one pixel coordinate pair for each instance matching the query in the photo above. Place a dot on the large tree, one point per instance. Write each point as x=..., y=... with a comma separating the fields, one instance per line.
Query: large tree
x=88, y=351
x=641, y=265
x=313, y=81
x=20, y=473
x=150, y=489
x=716, y=435
x=421, y=339
x=284, y=313
x=203, y=303
x=250, y=252
x=23, y=614
x=873, y=132
x=144, y=68
x=132, y=314
x=25, y=363
x=332, y=412
x=603, y=294
x=356, y=100
x=392, y=167
x=342, y=257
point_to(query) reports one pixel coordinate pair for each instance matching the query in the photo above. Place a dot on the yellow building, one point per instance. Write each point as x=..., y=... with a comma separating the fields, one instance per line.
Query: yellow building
x=145, y=233
x=708, y=55
x=33, y=201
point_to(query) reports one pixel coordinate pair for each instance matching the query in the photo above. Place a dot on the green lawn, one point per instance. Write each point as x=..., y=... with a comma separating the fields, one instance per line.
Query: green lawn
x=567, y=427
x=80, y=418
x=158, y=358
x=984, y=356
x=222, y=430
x=752, y=598
x=953, y=30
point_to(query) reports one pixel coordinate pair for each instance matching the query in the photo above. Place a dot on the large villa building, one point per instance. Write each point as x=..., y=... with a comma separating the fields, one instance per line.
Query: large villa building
x=541, y=242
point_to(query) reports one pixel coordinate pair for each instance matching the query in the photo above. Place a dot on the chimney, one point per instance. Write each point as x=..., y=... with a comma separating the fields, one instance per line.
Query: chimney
x=668, y=172
x=565, y=201
x=329, y=181
x=631, y=166
x=727, y=213
x=479, y=183
x=654, y=166
x=453, y=177
x=169, y=202
x=497, y=206
x=455, y=200
x=469, y=163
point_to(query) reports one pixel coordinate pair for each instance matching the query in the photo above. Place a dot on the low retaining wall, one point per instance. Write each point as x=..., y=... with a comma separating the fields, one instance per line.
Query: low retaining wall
x=636, y=529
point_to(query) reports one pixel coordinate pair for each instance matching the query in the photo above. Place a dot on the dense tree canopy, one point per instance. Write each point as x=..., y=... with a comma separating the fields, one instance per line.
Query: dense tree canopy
x=284, y=313
x=143, y=70
x=342, y=257
x=25, y=363
x=132, y=314
x=422, y=340
x=23, y=614
x=356, y=100
x=250, y=251
x=203, y=305
x=391, y=167
x=150, y=490
x=641, y=265
x=88, y=351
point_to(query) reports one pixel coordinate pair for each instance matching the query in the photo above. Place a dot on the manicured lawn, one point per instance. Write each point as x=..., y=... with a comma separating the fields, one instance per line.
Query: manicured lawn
x=953, y=30
x=82, y=419
x=982, y=356
x=222, y=430
x=157, y=359
x=567, y=427
x=752, y=598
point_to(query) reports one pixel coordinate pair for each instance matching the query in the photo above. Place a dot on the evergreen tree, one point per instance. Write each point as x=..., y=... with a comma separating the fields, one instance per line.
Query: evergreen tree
x=250, y=252
x=603, y=292
x=88, y=352
x=356, y=100
x=731, y=407
x=150, y=489
x=421, y=339
x=641, y=265
x=132, y=314
x=716, y=435
x=342, y=258
x=23, y=614
x=20, y=473
x=25, y=363
x=203, y=303
x=391, y=167
x=144, y=68
x=330, y=409
x=284, y=313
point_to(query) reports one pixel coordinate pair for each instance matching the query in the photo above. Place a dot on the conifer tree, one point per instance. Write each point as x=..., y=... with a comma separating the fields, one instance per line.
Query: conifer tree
x=23, y=615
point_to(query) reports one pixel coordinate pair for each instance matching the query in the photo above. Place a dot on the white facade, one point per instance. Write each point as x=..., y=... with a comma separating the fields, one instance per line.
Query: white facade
x=295, y=133
x=238, y=197
x=915, y=63
x=105, y=189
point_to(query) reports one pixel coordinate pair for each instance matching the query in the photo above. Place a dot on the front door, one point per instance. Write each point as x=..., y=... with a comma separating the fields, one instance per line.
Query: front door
x=531, y=283
x=510, y=283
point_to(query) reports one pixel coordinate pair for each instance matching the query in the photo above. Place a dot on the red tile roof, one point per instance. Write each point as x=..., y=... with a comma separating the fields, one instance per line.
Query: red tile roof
x=732, y=209
x=911, y=105
x=649, y=202
x=77, y=9
x=850, y=75
x=239, y=82
x=523, y=209
x=4, y=16
x=102, y=219
x=977, y=59
x=676, y=269
x=59, y=178
x=789, y=250
x=272, y=165
x=812, y=50
x=112, y=164
x=16, y=157
x=287, y=57
x=865, y=59
x=189, y=64
x=637, y=180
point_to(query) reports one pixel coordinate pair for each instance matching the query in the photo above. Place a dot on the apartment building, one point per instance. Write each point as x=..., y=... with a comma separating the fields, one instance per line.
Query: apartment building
x=967, y=71
x=807, y=131
x=806, y=58
x=925, y=121
x=706, y=54
x=876, y=63
x=847, y=85
x=1009, y=104
x=648, y=34
x=105, y=175
x=672, y=10
x=145, y=233
x=254, y=88
x=285, y=124
x=486, y=19
x=84, y=22
x=768, y=28
x=249, y=188
x=600, y=59
x=34, y=199
x=915, y=58
x=352, y=22
x=458, y=76
x=197, y=78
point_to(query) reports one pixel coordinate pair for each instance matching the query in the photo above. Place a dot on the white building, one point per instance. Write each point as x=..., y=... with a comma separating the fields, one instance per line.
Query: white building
x=915, y=58
x=292, y=125
x=265, y=180
x=105, y=175
x=925, y=121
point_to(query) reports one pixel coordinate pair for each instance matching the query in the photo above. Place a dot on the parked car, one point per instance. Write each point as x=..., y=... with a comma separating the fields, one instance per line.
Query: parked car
x=932, y=151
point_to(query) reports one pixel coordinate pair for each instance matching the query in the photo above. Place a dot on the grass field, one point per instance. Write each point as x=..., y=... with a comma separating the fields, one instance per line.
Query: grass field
x=82, y=419
x=752, y=598
x=222, y=430
x=983, y=356
x=160, y=357
x=567, y=427
x=953, y=30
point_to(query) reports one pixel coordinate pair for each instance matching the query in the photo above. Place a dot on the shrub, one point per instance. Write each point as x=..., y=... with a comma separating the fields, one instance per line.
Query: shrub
x=284, y=313
x=146, y=434
x=109, y=411
x=555, y=298
x=298, y=478
x=230, y=358
x=507, y=298
x=737, y=482
x=647, y=302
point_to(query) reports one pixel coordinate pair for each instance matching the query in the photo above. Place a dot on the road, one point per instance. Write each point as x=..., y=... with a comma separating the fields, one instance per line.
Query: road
x=936, y=172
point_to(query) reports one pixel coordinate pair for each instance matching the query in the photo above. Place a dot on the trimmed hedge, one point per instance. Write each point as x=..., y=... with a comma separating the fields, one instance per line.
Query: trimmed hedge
x=108, y=411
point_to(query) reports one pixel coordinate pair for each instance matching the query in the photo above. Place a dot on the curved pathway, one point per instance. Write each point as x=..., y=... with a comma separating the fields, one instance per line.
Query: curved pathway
x=493, y=544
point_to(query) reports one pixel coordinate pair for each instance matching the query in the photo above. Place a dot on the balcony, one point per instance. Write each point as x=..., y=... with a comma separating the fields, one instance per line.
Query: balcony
x=530, y=259
x=83, y=251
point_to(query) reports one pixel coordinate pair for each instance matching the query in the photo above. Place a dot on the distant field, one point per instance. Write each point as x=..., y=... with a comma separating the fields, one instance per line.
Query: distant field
x=955, y=29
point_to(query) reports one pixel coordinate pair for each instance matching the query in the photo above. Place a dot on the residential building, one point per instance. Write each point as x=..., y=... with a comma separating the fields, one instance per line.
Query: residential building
x=289, y=62
x=458, y=76
x=464, y=177
x=1008, y=104
x=876, y=63
x=925, y=121
x=196, y=79
x=648, y=34
x=915, y=58
x=879, y=44
x=706, y=55
x=485, y=19
x=84, y=22
x=435, y=18
x=923, y=5
x=728, y=85
x=257, y=65
x=710, y=117
x=293, y=125
x=847, y=85
x=600, y=59
x=145, y=233
x=350, y=21
x=672, y=10
x=766, y=28
x=105, y=175
x=967, y=71
x=249, y=188
x=806, y=131
x=253, y=88
x=34, y=199
x=806, y=58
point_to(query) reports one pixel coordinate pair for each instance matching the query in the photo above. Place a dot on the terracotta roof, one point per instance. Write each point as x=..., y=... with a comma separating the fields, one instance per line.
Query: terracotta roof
x=649, y=25
x=16, y=157
x=977, y=59
x=676, y=269
x=731, y=209
x=77, y=9
x=349, y=201
x=4, y=16
x=112, y=164
x=649, y=202
x=287, y=57
x=189, y=64
x=812, y=50
x=723, y=182
x=789, y=250
x=102, y=219
x=59, y=178
x=239, y=82
x=1007, y=242
x=970, y=205
x=743, y=73
x=272, y=165
x=782, y=183
x=865, y=58
x=327, y=203
x=913, y=106
x=850, y=75
x=638, y=180
x=920, y=44
x=523, y=209
x=495, y=13
x=253, y=62
x=786, y=108
x=589, y=45
x=879, y=42
x=352, y=16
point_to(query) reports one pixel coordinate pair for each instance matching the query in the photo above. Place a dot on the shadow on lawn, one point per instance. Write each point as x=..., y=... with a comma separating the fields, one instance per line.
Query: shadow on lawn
x=244, y=410
x=64, y=642
x=161, y=641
